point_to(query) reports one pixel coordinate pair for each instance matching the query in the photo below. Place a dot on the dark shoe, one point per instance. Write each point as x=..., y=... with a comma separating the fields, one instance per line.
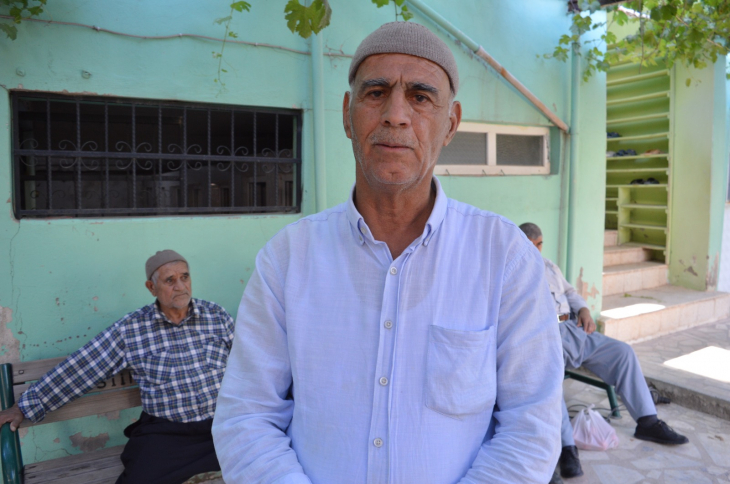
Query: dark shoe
x=660, y=432
x=652, y=181
x=569, y=462
x=638, y=181
x=612, y=134
x=556, y=478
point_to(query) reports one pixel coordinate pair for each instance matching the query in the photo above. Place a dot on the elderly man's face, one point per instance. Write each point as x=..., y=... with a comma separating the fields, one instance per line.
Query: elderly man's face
x=173, y=288
x=399, y=118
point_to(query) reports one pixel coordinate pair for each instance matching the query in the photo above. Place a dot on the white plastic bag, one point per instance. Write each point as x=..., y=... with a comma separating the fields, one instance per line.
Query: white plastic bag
x=592, y=432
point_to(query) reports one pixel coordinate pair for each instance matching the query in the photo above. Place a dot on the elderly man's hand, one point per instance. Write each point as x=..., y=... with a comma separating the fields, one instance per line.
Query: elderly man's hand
x=13, y=415
x=586, y=321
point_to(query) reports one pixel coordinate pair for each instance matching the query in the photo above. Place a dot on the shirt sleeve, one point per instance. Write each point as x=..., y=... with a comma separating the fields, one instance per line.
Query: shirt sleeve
x=254, y=408
x=99, y=359
x=575, y=301
x=525, y=440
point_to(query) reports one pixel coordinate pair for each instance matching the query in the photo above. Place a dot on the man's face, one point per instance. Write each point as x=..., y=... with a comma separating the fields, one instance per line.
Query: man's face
x=538, y=243
x=399, y=118
x=173, y=288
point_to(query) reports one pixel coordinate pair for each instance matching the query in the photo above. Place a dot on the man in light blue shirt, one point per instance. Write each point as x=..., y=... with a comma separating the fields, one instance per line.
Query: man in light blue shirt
x=401, y=337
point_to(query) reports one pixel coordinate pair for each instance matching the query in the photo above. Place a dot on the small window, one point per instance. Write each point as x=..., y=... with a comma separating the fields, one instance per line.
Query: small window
x=96, y=156
x=488, y=149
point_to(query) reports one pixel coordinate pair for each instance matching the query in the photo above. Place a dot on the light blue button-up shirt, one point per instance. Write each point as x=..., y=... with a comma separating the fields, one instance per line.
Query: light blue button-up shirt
x=347, y=366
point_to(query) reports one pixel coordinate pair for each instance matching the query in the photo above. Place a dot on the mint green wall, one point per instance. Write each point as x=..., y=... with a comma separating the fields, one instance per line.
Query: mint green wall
x=698, y=176
x=64, y=280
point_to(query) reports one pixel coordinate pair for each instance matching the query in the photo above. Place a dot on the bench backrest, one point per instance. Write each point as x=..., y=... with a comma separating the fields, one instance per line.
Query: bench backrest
x=117, y=393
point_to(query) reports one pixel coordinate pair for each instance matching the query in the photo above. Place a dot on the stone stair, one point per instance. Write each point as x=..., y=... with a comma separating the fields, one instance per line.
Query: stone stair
x=638, y=302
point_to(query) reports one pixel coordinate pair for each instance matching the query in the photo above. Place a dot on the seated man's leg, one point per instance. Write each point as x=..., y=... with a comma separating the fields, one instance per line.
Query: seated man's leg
x=569, y=462
x=616, y=364
x=164, y=452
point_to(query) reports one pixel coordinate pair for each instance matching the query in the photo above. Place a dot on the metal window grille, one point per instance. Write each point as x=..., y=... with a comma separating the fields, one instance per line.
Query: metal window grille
x=95, y=156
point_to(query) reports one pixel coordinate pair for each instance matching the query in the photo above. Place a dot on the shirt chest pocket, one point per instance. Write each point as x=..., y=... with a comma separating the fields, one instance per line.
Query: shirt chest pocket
x=216, y=354
x=158, y=368
x=460, y=371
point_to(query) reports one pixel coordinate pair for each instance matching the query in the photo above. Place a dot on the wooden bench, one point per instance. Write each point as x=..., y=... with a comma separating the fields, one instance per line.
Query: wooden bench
x=585, y=376
x=103, y=466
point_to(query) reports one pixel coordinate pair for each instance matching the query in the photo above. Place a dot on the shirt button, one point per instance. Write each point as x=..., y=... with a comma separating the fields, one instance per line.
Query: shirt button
x=383, y=381
x=378, y=442
x=393, y=270
x=388, y=324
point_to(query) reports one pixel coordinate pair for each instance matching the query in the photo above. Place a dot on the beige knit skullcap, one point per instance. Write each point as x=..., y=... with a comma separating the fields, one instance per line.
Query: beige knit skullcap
x=411, y=39
x=161, y=258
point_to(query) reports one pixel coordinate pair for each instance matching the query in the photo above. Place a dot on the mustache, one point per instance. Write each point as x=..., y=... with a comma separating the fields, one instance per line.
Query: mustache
x=391, y=138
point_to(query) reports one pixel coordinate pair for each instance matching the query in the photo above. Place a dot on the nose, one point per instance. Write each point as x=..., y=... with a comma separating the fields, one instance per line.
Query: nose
x=396, y=110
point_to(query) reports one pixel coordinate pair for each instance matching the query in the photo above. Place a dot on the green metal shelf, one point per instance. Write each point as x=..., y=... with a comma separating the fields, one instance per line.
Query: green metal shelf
x=612, y=212
x=660, y=185
x=637, y=119
x=647, y=206
x=645, y=246
x=637, y=78
x=663, y=228
x=635, y=157
x=643, y=137
x=612, y=199
x=638, y=170
x=637, y=99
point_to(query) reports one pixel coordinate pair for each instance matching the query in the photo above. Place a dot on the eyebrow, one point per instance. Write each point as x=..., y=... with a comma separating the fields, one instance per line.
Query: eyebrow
x=377, y=82
x=422, y=86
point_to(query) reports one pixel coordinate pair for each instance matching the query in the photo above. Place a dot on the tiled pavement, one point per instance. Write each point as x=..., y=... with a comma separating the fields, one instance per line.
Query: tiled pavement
x=709, y=395
x=706, y=459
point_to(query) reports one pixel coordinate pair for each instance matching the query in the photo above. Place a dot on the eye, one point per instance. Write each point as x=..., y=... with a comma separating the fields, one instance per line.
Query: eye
x=375, y=94
x=420, y=98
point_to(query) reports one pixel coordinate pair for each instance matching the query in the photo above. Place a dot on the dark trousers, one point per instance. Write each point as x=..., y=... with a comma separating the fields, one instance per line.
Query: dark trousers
x=163, y=452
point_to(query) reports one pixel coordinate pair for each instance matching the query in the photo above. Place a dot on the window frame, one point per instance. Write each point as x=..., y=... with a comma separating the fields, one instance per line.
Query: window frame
x=295, y=161
x=490, y=166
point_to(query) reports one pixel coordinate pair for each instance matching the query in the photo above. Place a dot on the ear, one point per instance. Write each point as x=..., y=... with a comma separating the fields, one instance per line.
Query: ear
x=346, y=114
x=151, y=288
x=455, y=120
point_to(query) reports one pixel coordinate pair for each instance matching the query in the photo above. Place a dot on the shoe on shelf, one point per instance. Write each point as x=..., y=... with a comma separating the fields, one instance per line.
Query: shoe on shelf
x=556, y=477
x=655, y=151
x=651, y=181
x=613, y=134
x=569, y=462
x=630, y=152
x=660, y=432
x=638, y=181
x=610, y=154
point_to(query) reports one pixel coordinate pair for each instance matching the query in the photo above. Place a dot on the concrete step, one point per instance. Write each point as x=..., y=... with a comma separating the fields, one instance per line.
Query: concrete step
x=648, y=313
x=610, y=238
x=620, y=254
x=623, y=278
x=691, y=367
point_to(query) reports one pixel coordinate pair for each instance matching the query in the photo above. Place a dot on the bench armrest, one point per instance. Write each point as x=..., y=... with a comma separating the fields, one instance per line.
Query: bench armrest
x=12, y=460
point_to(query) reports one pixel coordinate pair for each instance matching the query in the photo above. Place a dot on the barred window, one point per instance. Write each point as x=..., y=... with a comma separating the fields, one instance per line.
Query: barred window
x=488, y=149
x=96, y=156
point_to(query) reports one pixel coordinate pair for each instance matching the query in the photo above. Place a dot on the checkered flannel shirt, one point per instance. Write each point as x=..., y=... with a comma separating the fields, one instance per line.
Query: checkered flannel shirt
x=178, y=367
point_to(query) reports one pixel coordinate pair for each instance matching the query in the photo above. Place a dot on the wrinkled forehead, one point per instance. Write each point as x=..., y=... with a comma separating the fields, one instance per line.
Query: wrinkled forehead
x=401, y=68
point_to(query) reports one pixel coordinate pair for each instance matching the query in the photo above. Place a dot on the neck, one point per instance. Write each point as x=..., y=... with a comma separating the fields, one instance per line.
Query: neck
x=395, y=217
x=175, y=315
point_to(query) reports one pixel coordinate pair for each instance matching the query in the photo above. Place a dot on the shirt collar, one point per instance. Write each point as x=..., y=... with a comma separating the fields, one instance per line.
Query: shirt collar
x=158, y=315
x=361, y=231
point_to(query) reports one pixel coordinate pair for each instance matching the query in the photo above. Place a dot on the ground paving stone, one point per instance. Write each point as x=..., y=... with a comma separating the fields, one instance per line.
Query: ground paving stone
x=706, y=459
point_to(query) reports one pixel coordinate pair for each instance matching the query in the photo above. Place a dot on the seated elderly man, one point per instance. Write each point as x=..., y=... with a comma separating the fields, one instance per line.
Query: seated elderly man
x=176, y=348
x=612, y=360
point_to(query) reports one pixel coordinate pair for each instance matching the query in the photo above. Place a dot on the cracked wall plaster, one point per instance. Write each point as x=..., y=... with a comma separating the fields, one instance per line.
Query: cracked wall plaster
x=9, y=344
